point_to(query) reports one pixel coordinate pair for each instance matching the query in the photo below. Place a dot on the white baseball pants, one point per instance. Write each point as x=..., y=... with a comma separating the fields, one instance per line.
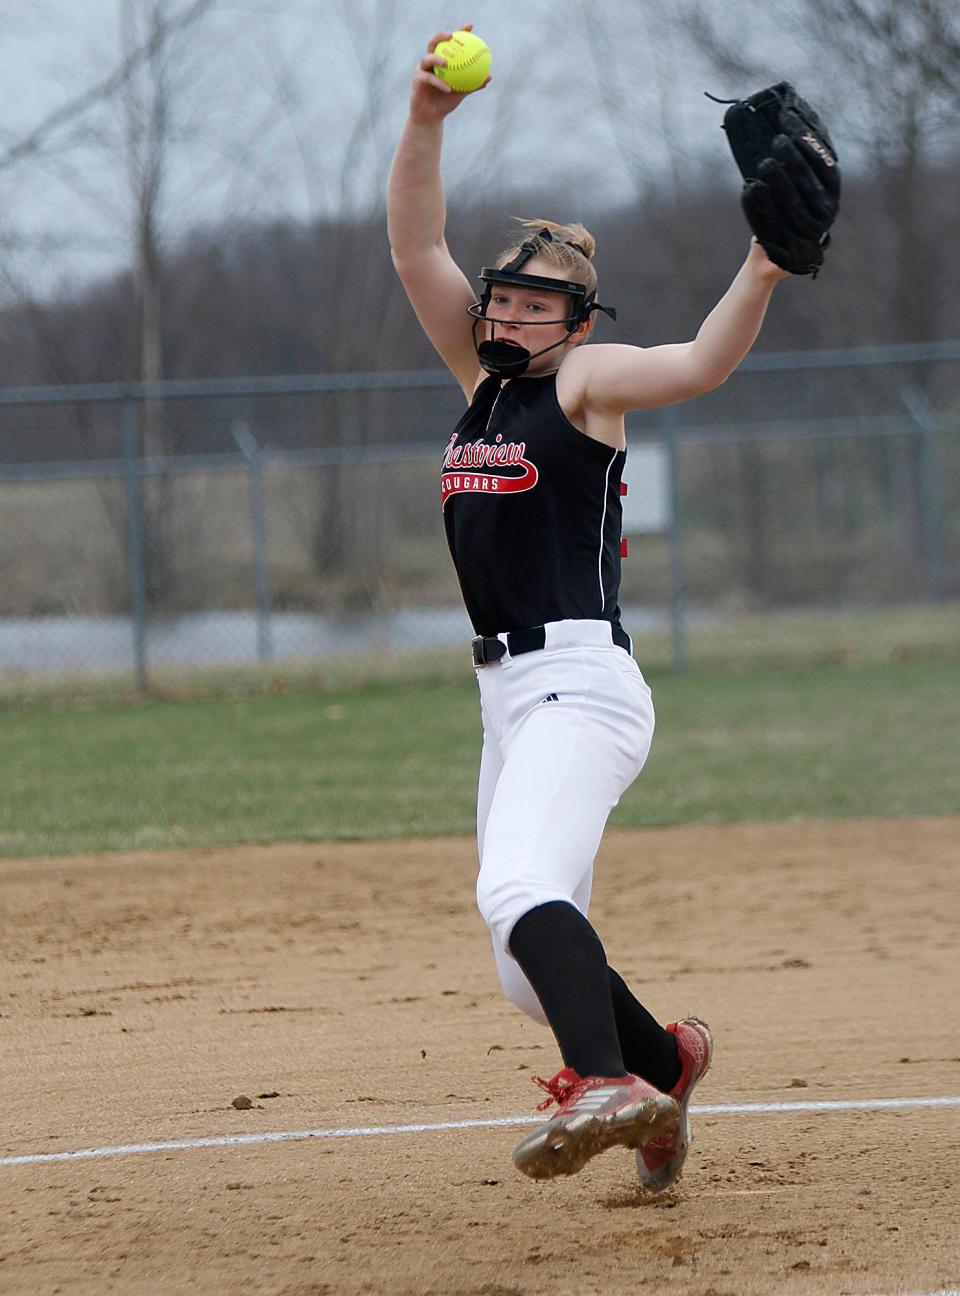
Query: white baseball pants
x=566, y=729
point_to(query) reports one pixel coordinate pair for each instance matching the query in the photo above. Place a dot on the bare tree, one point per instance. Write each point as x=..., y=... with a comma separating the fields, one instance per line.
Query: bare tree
x=888, y=77
x=48, y=134
x=126, y=115
x=152, y=97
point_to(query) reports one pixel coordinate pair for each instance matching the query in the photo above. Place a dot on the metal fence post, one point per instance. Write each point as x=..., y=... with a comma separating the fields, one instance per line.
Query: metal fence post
x=240, y=431
x=133, y=480
x=924, y=417
x=678, y=628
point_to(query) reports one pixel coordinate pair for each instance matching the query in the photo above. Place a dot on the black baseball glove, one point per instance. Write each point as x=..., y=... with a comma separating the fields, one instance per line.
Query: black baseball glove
x=791, y=191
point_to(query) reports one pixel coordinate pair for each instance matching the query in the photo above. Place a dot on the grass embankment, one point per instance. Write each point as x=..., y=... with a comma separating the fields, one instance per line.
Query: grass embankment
x=392, y=760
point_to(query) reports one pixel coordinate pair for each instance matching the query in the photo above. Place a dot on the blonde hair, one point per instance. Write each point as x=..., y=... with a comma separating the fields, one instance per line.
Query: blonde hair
x=575, y=262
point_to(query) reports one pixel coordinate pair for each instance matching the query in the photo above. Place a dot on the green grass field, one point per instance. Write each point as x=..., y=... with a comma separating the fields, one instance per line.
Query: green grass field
x=387, y=760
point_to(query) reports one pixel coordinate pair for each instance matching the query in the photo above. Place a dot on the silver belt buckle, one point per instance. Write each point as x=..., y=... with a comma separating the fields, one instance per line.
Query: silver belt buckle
x=480, y=657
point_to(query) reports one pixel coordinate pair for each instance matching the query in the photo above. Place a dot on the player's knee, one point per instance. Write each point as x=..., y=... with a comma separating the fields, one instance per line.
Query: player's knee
x=489, y=899
x=501, y=901
x=504, y=899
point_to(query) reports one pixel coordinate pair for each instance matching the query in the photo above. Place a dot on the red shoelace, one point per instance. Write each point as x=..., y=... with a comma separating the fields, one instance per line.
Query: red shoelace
x=560, y=1088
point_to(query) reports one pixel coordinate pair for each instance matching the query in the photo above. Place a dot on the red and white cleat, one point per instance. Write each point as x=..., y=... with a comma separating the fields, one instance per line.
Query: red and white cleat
x=596, y=1113
x=659, y=1162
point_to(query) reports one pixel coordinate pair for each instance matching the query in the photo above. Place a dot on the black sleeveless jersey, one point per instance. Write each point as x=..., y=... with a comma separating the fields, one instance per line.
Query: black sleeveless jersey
x=532, y=510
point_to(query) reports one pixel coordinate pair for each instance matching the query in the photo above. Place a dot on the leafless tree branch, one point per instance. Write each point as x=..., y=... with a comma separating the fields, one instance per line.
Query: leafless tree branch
x=33, y=143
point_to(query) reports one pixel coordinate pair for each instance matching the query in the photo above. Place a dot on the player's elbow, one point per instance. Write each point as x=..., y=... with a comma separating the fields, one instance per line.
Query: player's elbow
x=696, y=372
x=401, y=257
x=704, y=379
x=716, y=381
x=413, y=253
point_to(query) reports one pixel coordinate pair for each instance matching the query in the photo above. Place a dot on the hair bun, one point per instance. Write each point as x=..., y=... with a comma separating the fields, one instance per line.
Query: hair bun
x=575, y=235
x=568, y=248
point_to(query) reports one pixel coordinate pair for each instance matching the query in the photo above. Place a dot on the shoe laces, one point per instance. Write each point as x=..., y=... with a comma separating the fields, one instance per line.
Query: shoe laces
x=559, y=1088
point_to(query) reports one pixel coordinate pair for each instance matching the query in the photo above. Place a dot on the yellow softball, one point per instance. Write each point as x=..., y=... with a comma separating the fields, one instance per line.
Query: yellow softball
x=468, y=61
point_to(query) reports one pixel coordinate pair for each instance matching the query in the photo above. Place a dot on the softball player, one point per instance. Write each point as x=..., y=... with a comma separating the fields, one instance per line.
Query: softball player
x=530, y=484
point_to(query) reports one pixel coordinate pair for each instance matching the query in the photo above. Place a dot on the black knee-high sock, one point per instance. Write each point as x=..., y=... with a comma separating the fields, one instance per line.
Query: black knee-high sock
x=648, y=1050
x=561, y=956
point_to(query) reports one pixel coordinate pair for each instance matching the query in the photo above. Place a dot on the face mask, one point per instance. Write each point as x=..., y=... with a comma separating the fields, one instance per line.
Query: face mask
x=505, y=359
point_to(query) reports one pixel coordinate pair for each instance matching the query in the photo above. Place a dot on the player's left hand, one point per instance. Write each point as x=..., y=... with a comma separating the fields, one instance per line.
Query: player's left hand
x=762, y=264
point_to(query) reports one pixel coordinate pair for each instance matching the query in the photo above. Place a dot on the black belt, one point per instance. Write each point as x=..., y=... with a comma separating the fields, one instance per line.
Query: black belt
x=492, y=649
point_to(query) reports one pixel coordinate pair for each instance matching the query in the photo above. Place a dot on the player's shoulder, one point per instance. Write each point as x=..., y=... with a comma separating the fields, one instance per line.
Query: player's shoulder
x=581, y=377
x=595, y=357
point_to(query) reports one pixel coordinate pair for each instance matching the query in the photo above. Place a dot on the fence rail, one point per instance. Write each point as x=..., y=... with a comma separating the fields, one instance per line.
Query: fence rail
x=849, y=502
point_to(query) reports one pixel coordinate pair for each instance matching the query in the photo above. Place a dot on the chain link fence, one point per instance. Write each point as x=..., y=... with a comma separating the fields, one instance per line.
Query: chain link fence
x=261, y=532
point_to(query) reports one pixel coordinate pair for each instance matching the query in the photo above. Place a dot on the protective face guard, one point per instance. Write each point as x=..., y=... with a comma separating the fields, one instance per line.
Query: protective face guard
x=506, y=359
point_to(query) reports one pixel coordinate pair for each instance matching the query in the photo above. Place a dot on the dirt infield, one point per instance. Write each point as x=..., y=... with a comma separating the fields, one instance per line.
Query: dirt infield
x=352, y=986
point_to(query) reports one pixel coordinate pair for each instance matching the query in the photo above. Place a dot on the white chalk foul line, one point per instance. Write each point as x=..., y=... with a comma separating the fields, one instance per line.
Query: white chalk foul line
x=365, y=1131
x=943, y=1291
x=838, y=1104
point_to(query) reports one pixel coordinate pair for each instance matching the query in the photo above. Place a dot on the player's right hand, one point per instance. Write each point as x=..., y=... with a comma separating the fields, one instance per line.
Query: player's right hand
x=431, y=99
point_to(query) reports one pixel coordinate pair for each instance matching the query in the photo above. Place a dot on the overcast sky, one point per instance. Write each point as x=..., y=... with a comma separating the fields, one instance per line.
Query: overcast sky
x=291, y=108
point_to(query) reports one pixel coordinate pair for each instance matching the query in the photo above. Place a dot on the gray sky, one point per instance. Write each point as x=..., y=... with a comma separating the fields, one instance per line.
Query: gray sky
x=291, y=108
